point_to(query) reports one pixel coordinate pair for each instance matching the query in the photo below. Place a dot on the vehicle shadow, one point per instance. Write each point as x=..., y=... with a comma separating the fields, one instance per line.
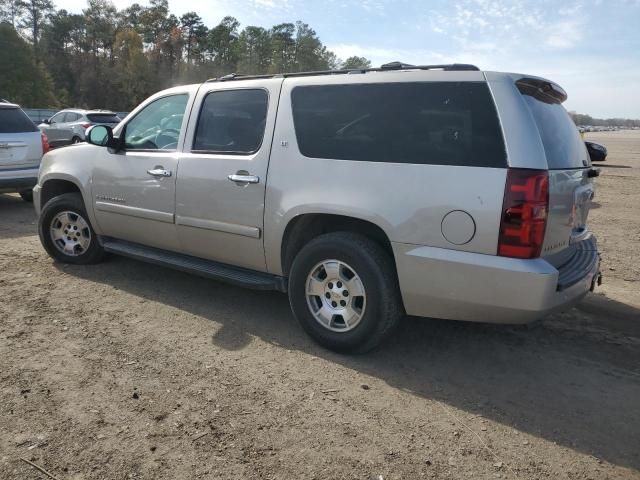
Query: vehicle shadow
x=573, y=380
x=18, y=217
x=609, y=165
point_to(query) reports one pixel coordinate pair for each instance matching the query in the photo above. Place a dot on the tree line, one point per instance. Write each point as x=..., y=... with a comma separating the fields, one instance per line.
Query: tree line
x=110, y=58
x=582, y=119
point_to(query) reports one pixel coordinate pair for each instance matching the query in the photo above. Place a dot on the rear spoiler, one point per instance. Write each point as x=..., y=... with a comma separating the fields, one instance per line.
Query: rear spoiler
x=543, y=90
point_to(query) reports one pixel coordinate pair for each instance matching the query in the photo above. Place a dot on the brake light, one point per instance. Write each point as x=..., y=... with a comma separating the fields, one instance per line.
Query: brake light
x=85, y=125
x=524, y=213
x=45, y=143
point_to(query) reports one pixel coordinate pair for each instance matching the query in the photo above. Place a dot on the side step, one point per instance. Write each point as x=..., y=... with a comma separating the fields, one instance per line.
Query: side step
x=241, y=277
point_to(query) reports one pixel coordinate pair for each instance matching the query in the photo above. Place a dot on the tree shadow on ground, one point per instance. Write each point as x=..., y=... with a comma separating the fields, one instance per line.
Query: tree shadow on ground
x=574, y=379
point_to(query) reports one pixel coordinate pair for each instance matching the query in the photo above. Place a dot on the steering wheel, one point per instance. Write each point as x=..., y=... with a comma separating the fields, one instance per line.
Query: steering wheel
x=166, y=138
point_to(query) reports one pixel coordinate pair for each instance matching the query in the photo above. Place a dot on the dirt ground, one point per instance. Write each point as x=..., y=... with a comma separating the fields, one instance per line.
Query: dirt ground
x=128, y=370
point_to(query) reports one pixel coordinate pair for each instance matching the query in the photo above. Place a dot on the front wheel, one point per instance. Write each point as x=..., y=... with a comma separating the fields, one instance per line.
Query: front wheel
x=65, y=231
x=343, y=290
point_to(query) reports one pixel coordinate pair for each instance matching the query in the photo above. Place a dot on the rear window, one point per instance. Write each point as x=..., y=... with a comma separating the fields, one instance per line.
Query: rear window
x=441, y=123
x=14, y=120
x=563, y=146
x=103, y=118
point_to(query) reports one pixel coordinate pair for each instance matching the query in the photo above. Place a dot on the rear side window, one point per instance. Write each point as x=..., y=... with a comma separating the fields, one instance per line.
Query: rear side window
x=440, y=123
x=14, y=120
x=563, y=146
x=103, y=118
x=71, y=117
x=232, y=121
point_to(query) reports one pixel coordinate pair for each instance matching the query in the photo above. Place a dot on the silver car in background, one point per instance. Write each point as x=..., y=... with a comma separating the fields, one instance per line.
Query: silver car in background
x=21, y=148
x=69, y=126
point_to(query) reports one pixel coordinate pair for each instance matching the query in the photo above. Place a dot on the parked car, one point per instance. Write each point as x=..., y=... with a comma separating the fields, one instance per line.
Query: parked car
x=597, y=152
x=435, y=191
x=21, y=148
x=69, y=126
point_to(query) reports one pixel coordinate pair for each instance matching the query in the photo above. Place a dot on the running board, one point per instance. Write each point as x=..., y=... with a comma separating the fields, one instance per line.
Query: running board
x=241, y=277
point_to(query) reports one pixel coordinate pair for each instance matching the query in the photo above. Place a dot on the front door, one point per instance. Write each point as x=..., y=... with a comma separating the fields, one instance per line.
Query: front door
x=54, y=130
x=221, y=184
x=134, y=188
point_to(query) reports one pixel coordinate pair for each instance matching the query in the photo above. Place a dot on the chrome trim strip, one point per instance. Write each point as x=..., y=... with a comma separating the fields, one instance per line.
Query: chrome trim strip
x=233, y=228
x=135, y=212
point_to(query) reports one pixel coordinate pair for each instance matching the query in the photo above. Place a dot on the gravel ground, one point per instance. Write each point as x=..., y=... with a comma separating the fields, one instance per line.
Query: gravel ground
x=128, y=370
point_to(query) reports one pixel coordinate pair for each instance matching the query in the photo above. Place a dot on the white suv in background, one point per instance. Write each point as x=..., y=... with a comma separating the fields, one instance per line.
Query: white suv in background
x=21, y=148
x=69, y=126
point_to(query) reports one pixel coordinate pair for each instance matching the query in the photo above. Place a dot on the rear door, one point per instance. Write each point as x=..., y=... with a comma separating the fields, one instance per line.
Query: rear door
x=221, y=183
x=570, y=187
x=20, y=144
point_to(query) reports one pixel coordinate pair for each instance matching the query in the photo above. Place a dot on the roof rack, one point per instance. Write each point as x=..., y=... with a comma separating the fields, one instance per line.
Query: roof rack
x=393, y=66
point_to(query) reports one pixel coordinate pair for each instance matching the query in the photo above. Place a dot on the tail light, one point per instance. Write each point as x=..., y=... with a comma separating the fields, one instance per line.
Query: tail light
x=45, y=143
x=524, y=213
x=85, y=125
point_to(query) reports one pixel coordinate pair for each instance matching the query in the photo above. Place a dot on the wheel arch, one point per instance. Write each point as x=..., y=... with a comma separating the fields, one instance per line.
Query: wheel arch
x=304, y=227
x=54, y=187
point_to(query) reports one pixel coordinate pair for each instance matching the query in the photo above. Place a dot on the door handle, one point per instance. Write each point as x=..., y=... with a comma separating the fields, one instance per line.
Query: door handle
x=243, y=178
x=159, y=172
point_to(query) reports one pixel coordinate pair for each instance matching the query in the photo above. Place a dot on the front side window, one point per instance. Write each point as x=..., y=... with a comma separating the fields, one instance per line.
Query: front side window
x=157, y=126
x=58, y=117
x=232, y=121
x=439, y=123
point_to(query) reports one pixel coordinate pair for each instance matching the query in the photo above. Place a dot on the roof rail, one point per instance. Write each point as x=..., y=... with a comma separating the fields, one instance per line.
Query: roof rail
x=393, y=66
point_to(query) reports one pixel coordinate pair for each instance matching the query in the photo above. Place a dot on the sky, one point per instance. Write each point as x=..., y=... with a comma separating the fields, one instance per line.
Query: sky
x=589, y=47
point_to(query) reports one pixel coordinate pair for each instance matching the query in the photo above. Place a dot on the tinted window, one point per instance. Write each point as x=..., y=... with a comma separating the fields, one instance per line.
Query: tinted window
x=157, y=126
x=562, y=143
x=232, y=121
x=427, y=123
x=14, y=120
x=103, y=118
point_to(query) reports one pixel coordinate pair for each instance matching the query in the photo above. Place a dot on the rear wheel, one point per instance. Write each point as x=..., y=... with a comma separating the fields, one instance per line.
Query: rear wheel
x=75, y=140
x=343, y=290
x=27, y=195
x=65, y=231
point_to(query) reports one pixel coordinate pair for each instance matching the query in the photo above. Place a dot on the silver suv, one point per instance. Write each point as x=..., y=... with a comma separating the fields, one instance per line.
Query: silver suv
x=21, y=148
x=436, y=191
x=69, y=126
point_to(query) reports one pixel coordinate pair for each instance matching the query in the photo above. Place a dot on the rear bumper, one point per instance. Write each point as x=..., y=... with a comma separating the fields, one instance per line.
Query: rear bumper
x=17, y=180
x=457, y=285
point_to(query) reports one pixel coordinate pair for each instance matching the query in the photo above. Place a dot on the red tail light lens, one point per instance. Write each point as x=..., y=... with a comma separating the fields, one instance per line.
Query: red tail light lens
x=524, y=213
x=45, y=143
x=85, y=125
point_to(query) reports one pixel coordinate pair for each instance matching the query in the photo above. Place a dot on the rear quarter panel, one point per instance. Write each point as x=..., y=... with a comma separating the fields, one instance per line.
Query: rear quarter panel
x=407, y=201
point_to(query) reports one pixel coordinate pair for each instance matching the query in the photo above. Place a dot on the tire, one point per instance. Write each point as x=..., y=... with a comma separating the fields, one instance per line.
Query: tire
x=75, y=140
x=372, y=316
x=27, y=195
x=68, y=211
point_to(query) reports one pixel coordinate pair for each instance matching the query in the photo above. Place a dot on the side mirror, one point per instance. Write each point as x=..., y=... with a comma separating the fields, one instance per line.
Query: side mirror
x=47, y=121
x=102, y=136
x=597, y=152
